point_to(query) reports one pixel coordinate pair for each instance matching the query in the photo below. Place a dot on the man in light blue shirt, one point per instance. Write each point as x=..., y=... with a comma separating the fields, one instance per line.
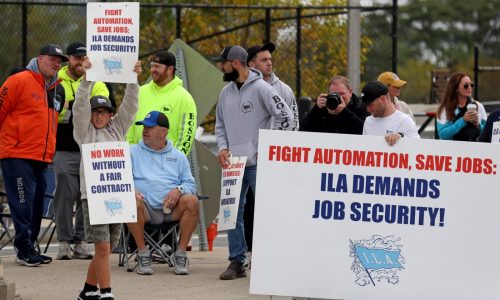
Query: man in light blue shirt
x=165, y=190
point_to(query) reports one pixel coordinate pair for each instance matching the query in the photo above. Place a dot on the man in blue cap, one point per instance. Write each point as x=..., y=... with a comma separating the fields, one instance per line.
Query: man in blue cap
x=165, y=190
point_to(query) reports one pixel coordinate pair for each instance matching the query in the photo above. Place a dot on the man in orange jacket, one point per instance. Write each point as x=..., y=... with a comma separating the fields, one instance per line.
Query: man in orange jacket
x=30, y=102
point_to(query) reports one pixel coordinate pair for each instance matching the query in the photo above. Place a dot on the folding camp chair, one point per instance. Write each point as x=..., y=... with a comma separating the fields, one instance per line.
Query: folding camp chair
x=6, y=221
x=51, y=227
x=154, y=236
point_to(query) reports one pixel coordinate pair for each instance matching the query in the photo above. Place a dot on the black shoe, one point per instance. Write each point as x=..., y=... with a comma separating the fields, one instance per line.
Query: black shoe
x=45, y=259
x=89, y=295
x=28, y=259
x=235, y=270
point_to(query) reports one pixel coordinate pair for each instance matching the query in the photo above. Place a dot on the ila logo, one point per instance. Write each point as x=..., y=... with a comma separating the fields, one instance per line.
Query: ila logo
x=377, y=259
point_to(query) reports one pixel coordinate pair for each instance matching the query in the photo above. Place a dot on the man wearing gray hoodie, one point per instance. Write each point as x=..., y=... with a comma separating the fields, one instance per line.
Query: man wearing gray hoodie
x=246, y=104
x=260, y=58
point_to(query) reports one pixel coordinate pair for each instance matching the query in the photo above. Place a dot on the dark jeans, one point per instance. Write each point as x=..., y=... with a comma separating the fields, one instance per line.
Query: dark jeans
x=25, y=186
x=236, y=236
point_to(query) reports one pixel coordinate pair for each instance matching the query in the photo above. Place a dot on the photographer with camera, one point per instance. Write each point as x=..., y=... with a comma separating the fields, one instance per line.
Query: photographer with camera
x=339, y=111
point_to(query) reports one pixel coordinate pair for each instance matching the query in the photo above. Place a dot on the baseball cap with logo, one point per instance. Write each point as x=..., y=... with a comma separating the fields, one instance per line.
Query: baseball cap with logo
x=101, y=102
x=372, y=91
x=164, y=57
x=53, y=50
x=252, y=51
x=77, y=49
x=232, y=53
x=154, y=118
x=389, y=78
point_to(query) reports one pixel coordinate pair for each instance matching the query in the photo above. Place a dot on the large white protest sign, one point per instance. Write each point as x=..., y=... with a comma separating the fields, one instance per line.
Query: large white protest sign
x=231, y=180
x=109, y=183
x=349, y=217
x=113, y=41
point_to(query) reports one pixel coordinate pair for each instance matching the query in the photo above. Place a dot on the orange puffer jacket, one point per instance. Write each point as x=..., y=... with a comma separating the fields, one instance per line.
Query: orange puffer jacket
x=28, y=117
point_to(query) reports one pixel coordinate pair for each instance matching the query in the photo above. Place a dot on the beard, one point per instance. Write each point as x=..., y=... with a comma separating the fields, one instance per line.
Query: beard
x=231, y=76
x=76, y=70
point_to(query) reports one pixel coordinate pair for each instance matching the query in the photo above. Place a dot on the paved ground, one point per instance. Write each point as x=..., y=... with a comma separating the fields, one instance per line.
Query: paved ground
x=63, y=279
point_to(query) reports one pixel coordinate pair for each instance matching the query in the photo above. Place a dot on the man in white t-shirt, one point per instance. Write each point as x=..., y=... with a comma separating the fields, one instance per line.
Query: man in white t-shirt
x=385, y=120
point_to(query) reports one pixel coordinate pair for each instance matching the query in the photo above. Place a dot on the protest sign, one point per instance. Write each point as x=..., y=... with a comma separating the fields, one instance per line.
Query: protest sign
x=109, y=183
x=349, y=217
x=113, y=41
x=230, y=188
x=495, y=133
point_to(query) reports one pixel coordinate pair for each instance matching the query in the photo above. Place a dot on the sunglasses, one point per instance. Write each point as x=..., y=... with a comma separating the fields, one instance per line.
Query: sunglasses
x=466, y=86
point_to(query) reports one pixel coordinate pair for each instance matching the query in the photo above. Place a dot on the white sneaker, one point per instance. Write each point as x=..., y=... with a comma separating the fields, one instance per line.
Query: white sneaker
x=81, y=251
x=144, y=262
x=180, y=261
x=248, y=260
x=64, y=251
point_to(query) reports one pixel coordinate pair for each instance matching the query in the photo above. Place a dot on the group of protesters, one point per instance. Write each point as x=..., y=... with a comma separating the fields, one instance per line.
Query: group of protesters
x=48, y=111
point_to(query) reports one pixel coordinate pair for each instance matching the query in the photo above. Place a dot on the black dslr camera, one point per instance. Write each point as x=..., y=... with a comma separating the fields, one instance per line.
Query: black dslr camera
x=333, y=100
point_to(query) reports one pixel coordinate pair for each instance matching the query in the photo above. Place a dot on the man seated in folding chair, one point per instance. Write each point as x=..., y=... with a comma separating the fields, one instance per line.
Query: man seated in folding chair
x=165, y=191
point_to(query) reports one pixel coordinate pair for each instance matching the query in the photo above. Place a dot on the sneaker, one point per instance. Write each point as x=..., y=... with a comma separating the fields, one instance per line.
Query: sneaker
x=180, y=261
x=107, y=296
x=81, y=251
x=166, y=249
x=144, y=262
x=235, y=270
x=89, y=295
x=28, y=260
x=64, y=251
x=45, y=259
x=248, y=261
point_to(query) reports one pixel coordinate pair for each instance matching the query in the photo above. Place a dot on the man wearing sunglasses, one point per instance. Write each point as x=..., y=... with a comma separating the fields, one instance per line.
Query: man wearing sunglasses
x=165, y=93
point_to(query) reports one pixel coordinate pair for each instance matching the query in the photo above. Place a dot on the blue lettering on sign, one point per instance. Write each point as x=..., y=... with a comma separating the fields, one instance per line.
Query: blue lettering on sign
x=378, y=213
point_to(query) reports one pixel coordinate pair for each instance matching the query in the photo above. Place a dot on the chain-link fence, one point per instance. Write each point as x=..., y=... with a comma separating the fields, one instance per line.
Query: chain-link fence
x=311, y=40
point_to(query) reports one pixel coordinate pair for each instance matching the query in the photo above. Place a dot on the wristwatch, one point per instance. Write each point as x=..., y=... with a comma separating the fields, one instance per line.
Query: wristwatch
x=181, y=190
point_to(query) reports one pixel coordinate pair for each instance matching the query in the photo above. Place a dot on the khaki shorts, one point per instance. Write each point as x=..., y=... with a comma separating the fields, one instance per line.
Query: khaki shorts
x=102, y=233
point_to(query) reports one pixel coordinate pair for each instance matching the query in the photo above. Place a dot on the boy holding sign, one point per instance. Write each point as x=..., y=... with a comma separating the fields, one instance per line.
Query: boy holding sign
x=94, y=122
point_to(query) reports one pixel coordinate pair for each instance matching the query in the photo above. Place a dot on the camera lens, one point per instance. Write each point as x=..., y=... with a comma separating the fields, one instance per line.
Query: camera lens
x=332, y=101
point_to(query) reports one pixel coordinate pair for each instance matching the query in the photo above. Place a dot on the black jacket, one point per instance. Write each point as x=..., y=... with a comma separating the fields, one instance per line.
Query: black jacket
x=349, y=121
x=488, y=127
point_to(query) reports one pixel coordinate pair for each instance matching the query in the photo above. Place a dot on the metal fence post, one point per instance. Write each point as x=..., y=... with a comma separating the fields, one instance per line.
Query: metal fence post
x=394, y=34
x=178, y=22
x=268, y=25
x=476, y=71
x=25, y=32
x=298, y=54
x=354, y=45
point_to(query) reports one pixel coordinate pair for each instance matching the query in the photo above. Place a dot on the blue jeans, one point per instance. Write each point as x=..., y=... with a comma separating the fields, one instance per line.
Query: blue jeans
x=236, y=237
x=25, y=186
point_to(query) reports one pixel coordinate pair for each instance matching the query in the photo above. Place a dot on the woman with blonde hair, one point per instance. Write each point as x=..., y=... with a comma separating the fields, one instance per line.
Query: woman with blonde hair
x=459, y=117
